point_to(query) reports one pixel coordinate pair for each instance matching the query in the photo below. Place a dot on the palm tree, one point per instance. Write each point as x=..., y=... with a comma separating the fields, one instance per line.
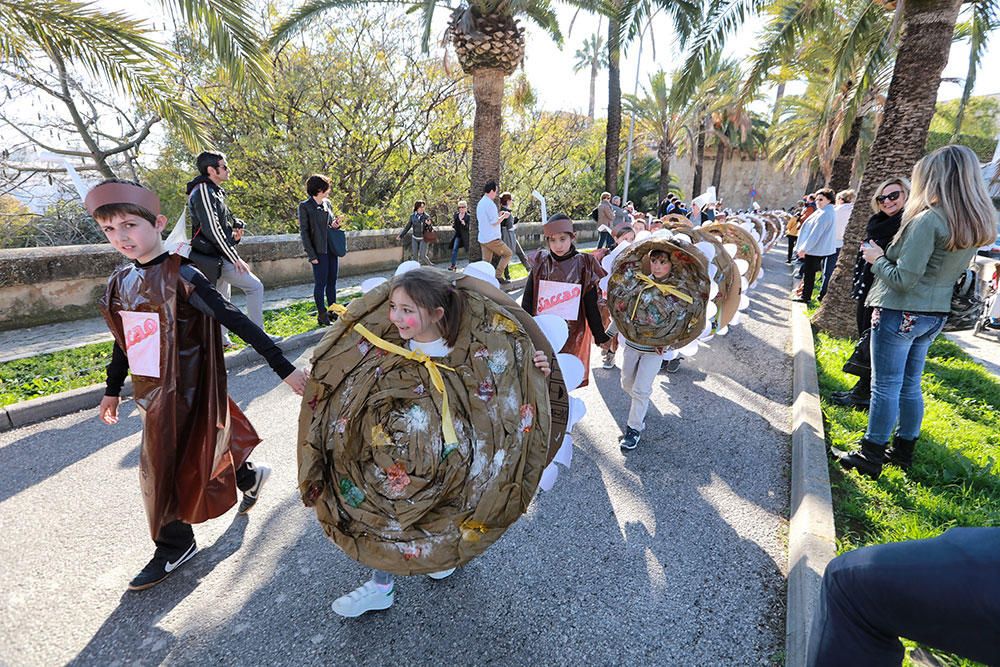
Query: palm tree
x=629, y=19
x=591, y=56
x=120, y=51
x=661, y=119
x=489, y=41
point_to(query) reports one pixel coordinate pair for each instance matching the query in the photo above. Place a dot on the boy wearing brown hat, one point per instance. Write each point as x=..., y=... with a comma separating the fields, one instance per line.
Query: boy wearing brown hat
x=564, y=282
x=165, y=317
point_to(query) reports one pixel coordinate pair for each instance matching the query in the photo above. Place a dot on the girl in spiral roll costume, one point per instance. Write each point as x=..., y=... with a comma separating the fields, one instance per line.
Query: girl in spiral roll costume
x=426, y=310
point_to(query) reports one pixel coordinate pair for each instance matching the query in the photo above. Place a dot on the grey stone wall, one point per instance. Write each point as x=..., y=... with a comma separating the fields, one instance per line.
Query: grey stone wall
x=57, y=284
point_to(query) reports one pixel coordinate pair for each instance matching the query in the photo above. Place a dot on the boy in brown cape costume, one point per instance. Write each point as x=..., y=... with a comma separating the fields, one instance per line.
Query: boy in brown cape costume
x=561, y=263
x=165, y=317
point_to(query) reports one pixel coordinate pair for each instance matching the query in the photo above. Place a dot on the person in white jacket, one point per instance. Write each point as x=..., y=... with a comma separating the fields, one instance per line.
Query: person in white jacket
x=817, y=241
x=842, y=210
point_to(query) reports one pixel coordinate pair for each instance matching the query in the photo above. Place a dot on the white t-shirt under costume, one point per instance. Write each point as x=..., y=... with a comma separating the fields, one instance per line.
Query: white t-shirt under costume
x=435, y=348
x=488, y=219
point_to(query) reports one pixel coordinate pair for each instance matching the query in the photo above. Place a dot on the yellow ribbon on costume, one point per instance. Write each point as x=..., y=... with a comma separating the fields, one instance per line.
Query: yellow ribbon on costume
x=447, y=423
x=664, y=288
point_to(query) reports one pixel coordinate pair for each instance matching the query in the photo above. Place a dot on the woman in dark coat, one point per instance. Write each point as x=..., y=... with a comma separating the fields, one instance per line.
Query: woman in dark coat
x=315, y=219
x=460, y=222
x=887, y=202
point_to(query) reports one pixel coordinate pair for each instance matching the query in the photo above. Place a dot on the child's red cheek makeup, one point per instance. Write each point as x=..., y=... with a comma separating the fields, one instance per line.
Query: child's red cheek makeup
x=410, y=322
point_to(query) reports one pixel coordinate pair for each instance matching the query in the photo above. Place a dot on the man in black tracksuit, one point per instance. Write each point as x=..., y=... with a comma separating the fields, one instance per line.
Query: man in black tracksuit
x=215, y=231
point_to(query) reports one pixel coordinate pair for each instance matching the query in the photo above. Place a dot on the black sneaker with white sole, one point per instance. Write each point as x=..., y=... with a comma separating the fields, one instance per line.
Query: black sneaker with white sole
x=160, y=568
x=631, y=439
x=250, y=495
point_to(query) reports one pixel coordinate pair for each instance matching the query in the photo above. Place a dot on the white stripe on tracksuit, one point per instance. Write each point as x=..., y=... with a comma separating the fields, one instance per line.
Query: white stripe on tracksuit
x=217, y=234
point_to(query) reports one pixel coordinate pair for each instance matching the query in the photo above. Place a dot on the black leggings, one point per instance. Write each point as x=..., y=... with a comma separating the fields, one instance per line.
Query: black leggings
x=791, y=247
x=811, y=265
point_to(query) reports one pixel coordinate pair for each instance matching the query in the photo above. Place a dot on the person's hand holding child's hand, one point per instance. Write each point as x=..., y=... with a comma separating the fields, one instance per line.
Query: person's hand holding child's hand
x=297, y=380
x=108, y=410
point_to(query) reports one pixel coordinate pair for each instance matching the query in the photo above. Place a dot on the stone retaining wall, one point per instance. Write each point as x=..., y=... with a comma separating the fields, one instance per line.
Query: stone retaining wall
x=56, y=284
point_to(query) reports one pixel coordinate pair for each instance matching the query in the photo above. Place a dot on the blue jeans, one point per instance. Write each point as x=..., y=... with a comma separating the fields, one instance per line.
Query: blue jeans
x=943, y=592
x=456, y=243
x=899, y=345
x=830, y=263
x=325, y=279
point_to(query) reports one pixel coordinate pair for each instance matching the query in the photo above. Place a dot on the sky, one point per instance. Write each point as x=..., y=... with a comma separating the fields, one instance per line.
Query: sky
x=550, y=68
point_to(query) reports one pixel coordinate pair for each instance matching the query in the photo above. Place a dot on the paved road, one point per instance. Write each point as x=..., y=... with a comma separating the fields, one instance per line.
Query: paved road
x=675, y=554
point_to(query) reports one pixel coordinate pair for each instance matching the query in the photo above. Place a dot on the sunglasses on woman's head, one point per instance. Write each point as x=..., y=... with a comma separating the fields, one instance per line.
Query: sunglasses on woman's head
x=892, y=196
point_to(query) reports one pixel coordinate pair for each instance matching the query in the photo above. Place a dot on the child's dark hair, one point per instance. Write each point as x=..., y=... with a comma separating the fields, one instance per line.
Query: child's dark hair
x=430, y=289
x=417, y=204
x=109, y=211
x=505, y=198
x=659, y=255
x=316, y=184
x=208, y=159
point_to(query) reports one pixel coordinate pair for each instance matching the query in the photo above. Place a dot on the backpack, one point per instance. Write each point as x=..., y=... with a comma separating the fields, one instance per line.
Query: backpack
x=967, y=304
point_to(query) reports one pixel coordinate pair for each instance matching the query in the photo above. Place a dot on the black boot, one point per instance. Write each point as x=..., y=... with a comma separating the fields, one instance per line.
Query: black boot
x=323, y=319
x=857, y=398
x=900, y=452
x=868, y=460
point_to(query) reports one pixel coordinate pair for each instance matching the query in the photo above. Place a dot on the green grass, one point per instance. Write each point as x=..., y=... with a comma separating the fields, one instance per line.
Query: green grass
x=55, y=372
x=954, y=479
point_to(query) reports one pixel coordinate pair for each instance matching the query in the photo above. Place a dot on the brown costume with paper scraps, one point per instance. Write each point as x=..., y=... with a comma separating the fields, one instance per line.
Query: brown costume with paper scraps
x=194, y=437
x=374, y=455
x=670, y=313
x=555, y=281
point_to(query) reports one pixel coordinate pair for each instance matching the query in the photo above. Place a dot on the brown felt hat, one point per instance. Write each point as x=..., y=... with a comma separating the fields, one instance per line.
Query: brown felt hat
x=559, y=223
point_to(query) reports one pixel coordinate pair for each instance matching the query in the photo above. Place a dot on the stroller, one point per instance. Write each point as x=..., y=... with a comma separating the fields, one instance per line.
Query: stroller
x=990, y=316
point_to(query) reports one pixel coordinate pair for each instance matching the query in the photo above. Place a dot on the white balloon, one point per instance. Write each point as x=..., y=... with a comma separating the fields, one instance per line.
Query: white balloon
x=713, y=291
x=712, y=270
x=684, y=238
x=577, y=409
x=723, y=331
x=736, y=319
x=549, y=476
x=742, y=266
x=744, y=301
x=572, y=370
x=408, y=265
x=371, y=283
x=690, y=349
x=711, y=310
x=483, y=271
x=669, y=353
x=555, y=329
x=744, y=285
x=564, y=456
x=642, y=236
x=706, y=249
x=730, y=248
x=603, y=284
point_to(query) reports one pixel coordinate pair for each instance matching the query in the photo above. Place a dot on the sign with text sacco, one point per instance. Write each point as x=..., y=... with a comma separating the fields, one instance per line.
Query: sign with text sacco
x=559, y=299
x=142, y=342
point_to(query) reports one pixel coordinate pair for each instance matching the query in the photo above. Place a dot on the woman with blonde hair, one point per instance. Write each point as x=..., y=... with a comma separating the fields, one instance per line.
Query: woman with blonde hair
x=947, y=217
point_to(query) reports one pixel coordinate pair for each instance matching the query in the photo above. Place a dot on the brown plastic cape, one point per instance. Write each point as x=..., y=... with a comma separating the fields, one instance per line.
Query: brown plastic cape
x=372, y=455
x=583, y=270
x=194, y=436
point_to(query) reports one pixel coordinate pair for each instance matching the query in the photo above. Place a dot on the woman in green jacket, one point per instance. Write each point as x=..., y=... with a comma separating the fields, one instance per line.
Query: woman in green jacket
x=947, y=217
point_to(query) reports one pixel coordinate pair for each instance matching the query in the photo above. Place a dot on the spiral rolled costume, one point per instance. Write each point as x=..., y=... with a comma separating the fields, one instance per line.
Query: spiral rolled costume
x=416, y=464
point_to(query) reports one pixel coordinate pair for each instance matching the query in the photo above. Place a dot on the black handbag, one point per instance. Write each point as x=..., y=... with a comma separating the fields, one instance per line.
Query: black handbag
x=860, y=363
x=338, y=241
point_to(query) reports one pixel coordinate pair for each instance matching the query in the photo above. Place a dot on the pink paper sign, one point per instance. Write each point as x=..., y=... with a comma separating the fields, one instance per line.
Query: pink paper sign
x=142, y=342
x=559, y=299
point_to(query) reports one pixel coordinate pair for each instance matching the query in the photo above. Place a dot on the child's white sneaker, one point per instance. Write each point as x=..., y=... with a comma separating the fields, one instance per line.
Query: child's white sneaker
x=443, y=574
x=369, y=596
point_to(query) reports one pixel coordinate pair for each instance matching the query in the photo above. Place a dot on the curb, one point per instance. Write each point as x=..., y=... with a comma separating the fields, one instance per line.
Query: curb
x=87, y=398
x=811, y=534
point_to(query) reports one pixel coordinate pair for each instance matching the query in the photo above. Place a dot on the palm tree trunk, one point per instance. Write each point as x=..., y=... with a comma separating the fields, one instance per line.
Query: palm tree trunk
x=664, y=152
x=843, y=164
x=925, y=41
x=779, y=93
x=612, y=144
x=593, y=86
x=487, y=88
x=699, y=160
x=720, y=158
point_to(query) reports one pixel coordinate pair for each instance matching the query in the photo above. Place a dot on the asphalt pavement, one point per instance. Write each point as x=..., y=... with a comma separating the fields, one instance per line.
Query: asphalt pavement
x=672, y=555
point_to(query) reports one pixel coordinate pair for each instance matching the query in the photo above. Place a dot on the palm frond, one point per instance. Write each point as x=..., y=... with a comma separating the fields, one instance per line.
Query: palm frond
x=985, y=19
